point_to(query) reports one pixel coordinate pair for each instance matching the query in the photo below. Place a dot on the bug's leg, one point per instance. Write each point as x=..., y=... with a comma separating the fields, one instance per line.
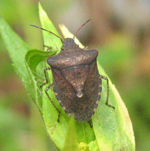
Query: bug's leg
x=45, y=70
x=90, y=123
x=46, y=89
x=105, y=78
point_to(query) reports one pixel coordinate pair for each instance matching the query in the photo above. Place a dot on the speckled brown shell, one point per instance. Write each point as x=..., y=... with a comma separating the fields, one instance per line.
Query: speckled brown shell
x=76, y=81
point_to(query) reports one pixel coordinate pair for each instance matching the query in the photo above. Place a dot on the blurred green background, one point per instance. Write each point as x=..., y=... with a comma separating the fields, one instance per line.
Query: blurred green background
x=120, y=30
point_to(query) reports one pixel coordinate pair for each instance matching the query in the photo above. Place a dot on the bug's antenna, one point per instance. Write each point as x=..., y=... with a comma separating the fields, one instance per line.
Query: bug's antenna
x=47, y=31
x=80, y=28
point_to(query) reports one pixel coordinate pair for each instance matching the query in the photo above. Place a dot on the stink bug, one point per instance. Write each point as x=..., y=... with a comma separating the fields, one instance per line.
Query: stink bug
x=76, y=80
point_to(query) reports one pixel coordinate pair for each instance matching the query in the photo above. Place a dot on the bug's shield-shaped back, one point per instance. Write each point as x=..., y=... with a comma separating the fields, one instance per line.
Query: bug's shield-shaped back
x=77, y=86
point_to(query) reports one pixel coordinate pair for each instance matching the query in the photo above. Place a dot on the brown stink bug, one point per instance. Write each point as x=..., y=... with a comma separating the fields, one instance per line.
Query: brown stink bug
x=76, y=80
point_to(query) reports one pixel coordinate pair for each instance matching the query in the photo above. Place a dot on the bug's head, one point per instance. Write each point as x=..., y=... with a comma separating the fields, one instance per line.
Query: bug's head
x=69, y=43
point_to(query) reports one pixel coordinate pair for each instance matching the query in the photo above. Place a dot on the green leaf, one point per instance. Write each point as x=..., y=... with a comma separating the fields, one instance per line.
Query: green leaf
x=49, y=39
x=71, y=138
x=17, y=50
x=33, y=58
